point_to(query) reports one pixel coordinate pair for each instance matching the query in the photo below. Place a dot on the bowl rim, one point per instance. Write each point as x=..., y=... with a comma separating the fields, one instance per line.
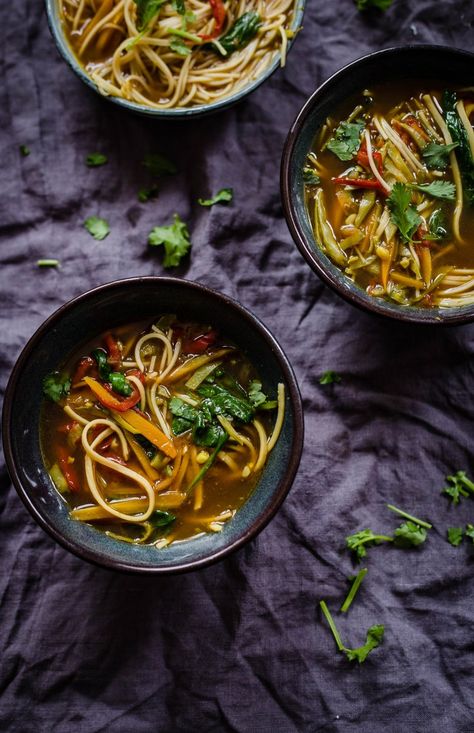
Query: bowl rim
x=67, y=54
x=284, y=484
x=357, y=297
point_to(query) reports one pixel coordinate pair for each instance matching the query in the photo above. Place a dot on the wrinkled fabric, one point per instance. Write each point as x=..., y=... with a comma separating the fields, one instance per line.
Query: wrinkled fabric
x=241, y=645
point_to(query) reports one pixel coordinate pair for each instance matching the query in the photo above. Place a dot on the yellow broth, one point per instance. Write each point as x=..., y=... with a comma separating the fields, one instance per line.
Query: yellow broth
x=203, y=507
x=423, y=271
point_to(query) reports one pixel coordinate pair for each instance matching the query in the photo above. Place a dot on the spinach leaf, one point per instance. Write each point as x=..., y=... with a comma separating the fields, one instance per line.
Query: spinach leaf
x=437, y=225
x=345, y=141
x=463, y=151
x=146, y=11
x=222, y=402
x=117, y=380
x=147, y=446
x=56, y=387
x=160, y=518
x=241, y=33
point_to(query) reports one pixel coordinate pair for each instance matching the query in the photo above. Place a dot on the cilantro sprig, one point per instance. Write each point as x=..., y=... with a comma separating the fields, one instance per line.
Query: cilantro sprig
x=330, y=377
x=55, y=386
x=374, y=638
x=402, y=212
x=436, y=156
x=221, y=197
x=345, y=141
x=458, y=486
x=175, y=240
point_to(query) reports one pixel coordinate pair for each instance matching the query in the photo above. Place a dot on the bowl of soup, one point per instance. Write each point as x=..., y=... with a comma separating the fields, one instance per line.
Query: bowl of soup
x=377, y=183
x=175, y=59
x=159, y=435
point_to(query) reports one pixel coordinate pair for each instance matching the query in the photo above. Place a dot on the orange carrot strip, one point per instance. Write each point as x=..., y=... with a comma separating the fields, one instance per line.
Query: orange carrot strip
x=150, y=431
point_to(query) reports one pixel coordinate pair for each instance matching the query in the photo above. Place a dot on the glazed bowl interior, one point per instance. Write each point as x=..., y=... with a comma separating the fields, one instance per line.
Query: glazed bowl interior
x=125, y=302
x=432, y=64
x=62, y=44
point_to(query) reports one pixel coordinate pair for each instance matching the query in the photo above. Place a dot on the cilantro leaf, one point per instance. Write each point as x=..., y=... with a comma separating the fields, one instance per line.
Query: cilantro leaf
x=157, y=164
x=438, y=189
x=470, y=532
x=255, y=394
x=345, y=141
x=330, y=377
x=97, y=227
x=436, y=156
x=56, y=387
x=409, y=534
x=93, y=160
x=178, y=6
x=374, y=638
x=145, y=194
x=380, y=4
x=146, y=11
x=459, y=485
x=223, y=196
x=437, y=225
x=402, y=213
x=358, y=541
x=175, y=239
x=24, y=150
x=310, y=177
x=455, y=535
x=178, y=46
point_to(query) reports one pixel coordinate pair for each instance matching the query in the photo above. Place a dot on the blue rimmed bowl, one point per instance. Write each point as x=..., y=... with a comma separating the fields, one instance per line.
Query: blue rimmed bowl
x=119, y=303
x=393, y=65
x=62, y=44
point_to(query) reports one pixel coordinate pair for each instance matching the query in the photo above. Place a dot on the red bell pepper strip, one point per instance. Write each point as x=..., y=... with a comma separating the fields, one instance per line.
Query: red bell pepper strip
x=69, y=472
x=113, y=350
x=363, y=158
x=200, y=344
x=218, y=11
x=360, y=183
x=85, y=364
x=107, y=399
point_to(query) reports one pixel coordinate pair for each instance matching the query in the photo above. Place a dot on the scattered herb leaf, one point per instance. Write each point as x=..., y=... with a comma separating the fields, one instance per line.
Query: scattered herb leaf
x=24, y=150
x=178, y=6
x=97, y=227
x=330, y=377
x=345, y=141
x=145, y=194
x=359, y=541
x=147, y=10
x=436, y=156
x=178, y=46
x=56, y=387
x=402, y=513
x=458, y=485
x=403, y=214
x=93, y=160
x=157, y=164
x=48, y=263
x=353, y=589
x=175, y=239
x=223, y=196
x=366, y=4
x=374, y=638
x=455, y=535
x=409, y=534
x=470, y=532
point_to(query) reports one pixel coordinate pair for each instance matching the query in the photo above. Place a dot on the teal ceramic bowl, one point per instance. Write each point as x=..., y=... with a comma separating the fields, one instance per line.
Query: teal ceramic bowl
x=55, y=25
x=423, y=63
x=119, y=303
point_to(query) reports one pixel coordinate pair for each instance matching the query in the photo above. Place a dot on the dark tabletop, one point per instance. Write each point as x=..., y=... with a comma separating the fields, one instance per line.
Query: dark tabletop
x=239, y=646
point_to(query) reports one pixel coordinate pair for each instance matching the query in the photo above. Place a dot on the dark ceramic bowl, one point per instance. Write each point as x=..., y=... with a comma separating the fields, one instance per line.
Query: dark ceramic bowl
x=109, y=306
x=62, y=44
x=430, y=63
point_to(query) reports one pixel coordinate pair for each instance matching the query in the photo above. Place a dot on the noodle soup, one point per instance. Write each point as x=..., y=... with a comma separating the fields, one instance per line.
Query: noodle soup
x=179, y=54
x=389, y=187
x=158, y=432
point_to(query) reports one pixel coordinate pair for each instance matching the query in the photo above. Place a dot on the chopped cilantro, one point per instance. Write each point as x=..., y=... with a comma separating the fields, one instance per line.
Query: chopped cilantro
x=409, y=534
x=470, y=532
x=178, y=6
x=455, y=535
x=330, y=377
x=147, y=10
x=380, y=4
x=175, y=239
x=24, y=150
x=145, y=194
x=374, y=638
x=359, y=541
x=353, y=589
x=403, y=214
x=436, y=156
x=48, y=263
x=310, y=177
x=93, y=160
x=56, y=387
x=458, y=485
x=223, y=196
x=178, y=46
x=345, y=141
x=157, y=164
x=438, y=189
x=402, y=513
x=97, y=227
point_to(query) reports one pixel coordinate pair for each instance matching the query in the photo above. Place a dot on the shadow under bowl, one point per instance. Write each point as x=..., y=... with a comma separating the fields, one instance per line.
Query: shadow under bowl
x=428, y=63
x=125, y=302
